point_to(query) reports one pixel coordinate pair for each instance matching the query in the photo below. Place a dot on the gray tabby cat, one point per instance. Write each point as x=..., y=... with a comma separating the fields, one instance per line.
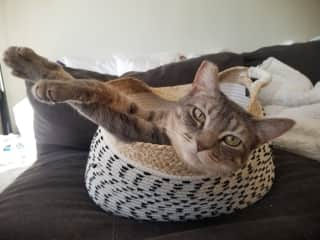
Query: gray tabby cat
x=211, y=133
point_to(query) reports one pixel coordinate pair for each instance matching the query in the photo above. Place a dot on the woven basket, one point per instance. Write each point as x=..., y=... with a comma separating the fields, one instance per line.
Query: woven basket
x=149, y=182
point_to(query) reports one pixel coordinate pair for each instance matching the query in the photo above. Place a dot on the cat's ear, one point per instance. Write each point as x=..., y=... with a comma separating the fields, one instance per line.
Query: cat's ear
x=270, y=128
x=206, y=77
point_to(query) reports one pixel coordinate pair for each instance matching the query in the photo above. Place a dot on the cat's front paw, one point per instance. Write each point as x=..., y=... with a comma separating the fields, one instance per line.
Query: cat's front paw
x=26, y=64
x=51, y=91
x=58, y=91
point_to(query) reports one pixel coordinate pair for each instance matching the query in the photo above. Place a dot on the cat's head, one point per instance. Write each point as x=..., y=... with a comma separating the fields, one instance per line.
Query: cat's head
x=211, y=133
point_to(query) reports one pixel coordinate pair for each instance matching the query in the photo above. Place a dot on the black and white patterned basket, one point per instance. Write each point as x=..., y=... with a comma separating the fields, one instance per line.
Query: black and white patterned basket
x=149, y=182
x=124, y=187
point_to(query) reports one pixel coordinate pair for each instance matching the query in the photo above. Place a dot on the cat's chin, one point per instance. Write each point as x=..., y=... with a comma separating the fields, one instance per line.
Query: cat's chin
x=200, y=164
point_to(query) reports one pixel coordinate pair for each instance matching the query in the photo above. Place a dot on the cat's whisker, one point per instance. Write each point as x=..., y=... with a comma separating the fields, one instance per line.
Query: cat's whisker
x=179, y=133
x=212, y=157
x=187, y=136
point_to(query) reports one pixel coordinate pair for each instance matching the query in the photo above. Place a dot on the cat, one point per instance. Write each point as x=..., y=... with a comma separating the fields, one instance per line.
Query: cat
x=209, y=132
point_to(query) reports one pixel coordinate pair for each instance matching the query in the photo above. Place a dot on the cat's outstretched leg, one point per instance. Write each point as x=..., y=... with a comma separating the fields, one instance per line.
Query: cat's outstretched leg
x=89, y=91
x=73, y=91
x=104, y=105
x=26, y=64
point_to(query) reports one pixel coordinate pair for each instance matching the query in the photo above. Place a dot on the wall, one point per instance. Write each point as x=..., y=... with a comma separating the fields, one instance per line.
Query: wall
x=3, y=30
x=2, y=40
x=2, y=26
x=96, y=29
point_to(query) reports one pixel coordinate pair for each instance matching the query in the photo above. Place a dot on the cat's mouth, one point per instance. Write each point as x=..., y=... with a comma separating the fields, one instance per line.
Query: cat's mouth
x=205, y=161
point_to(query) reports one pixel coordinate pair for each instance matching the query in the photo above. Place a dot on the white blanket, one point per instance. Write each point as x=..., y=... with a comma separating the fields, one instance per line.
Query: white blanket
x=291, y=94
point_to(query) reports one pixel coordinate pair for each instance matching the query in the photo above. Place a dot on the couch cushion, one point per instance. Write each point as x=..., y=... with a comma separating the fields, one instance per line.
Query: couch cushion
x=183, y=72
x=60, y=124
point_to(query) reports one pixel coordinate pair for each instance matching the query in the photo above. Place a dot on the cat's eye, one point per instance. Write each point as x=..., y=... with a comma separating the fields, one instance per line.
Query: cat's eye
x=231, y=140
x=198, y=115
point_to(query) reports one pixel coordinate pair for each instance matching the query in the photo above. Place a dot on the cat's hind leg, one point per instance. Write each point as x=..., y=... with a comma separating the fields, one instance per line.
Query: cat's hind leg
x=26, y=64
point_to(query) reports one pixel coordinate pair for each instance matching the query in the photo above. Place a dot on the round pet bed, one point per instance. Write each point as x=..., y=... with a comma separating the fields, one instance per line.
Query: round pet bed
x=149, y=182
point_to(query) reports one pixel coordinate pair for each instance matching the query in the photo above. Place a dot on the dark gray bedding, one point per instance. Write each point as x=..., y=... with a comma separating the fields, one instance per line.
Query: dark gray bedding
x=49, y=200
